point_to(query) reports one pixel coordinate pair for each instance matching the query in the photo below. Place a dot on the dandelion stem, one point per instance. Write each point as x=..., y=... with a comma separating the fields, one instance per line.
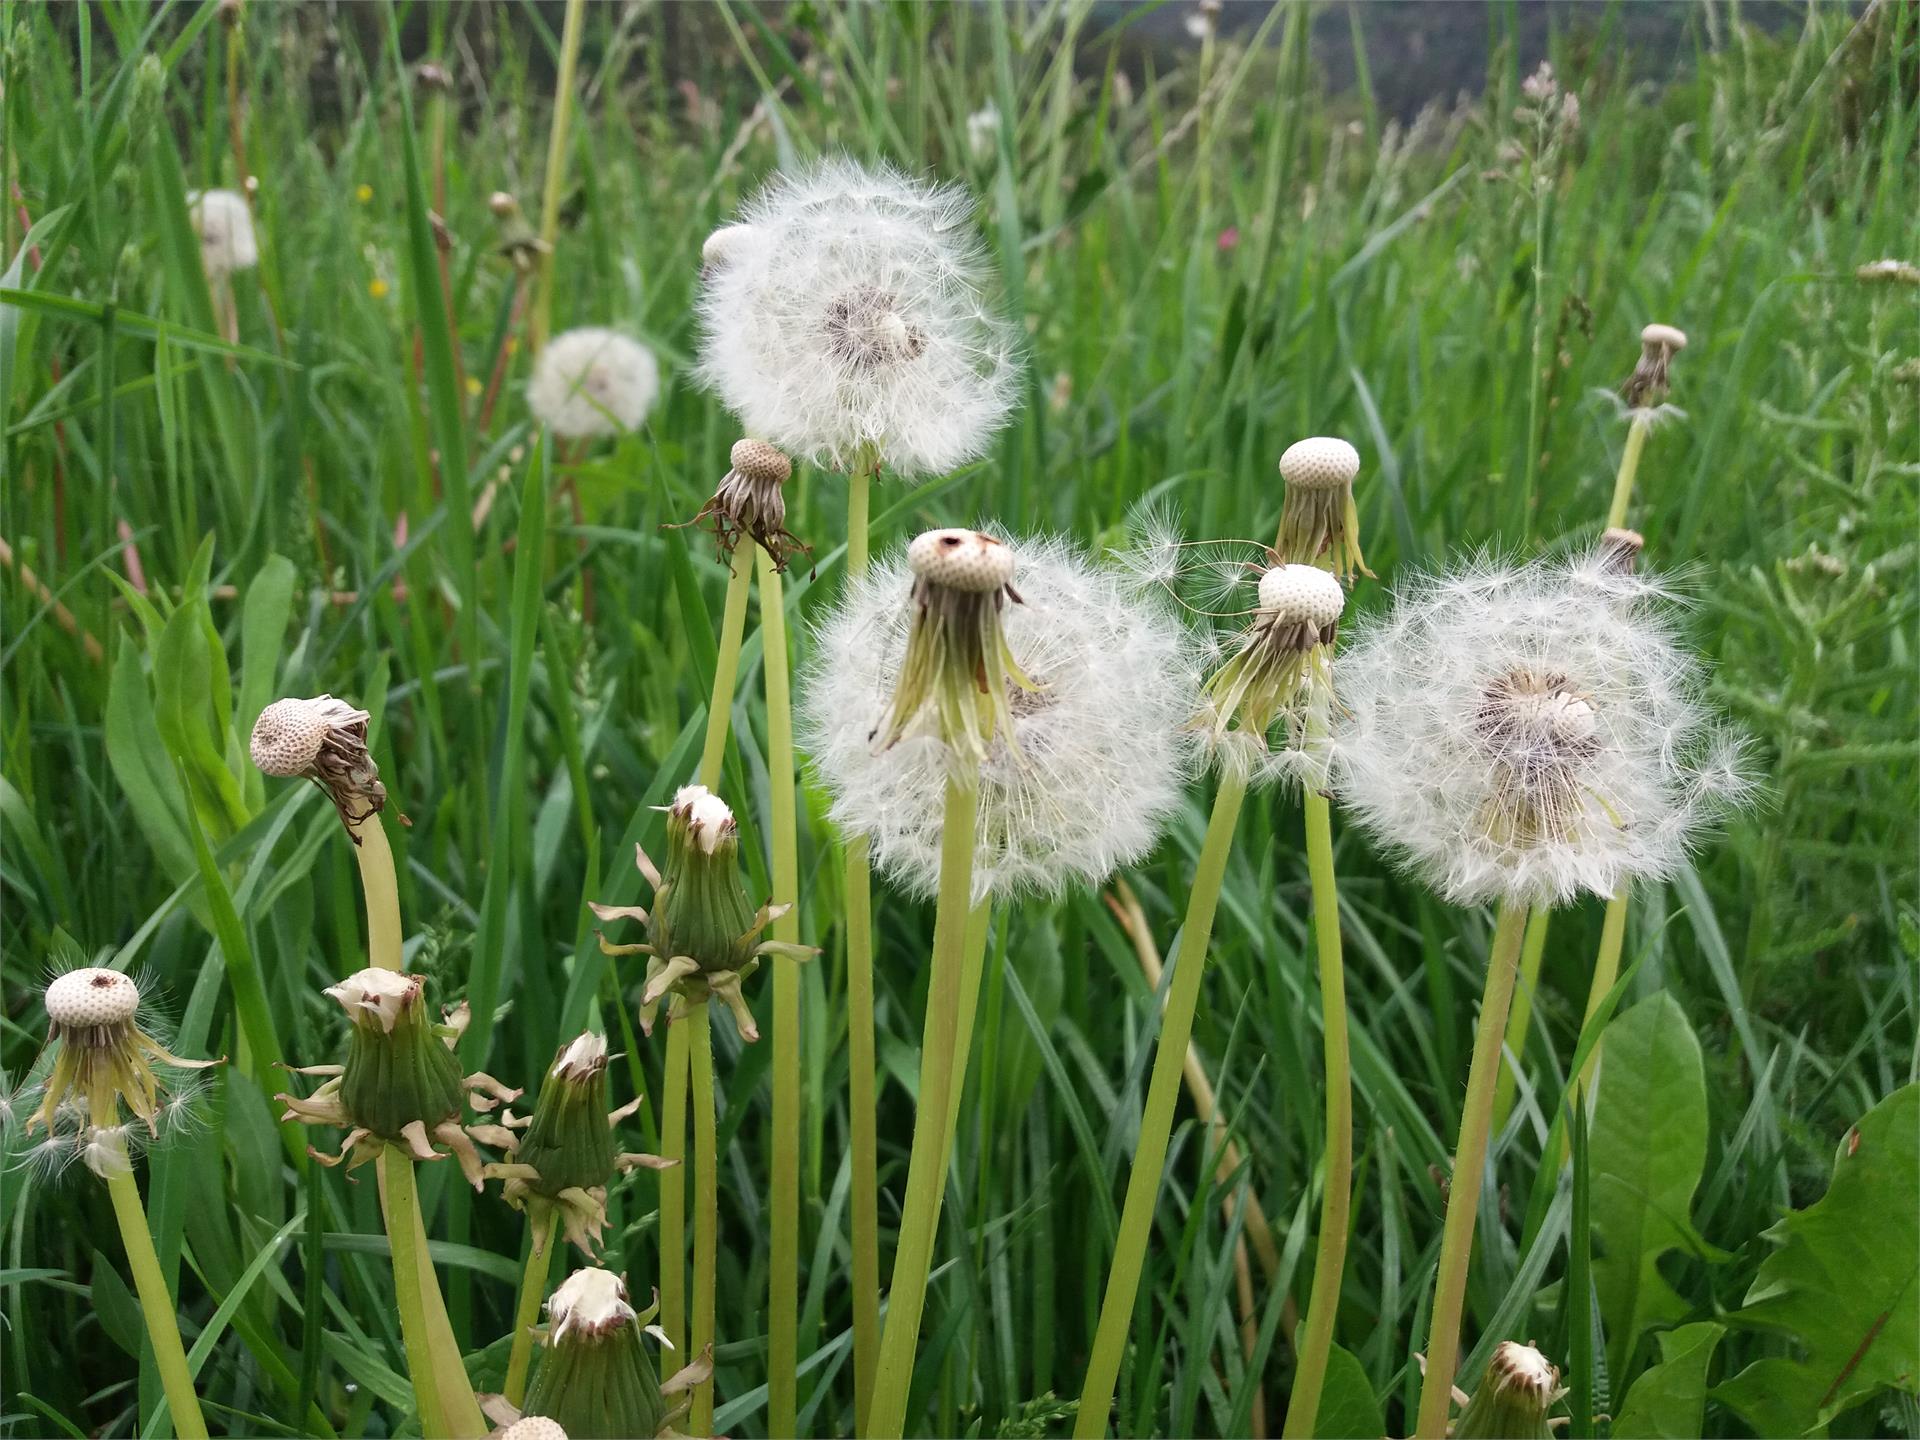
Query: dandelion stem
x=673, y=1189
x=706, y=1192
x=927, y=1168
x=726, y=668
x=526, y=1311
x=862, y=1137
x=1629, y=467
x=1532, y=953
x=396, y=1174
x=1336, y=1203
x=1156, y=1121
x=1469, y=1165
x=150, y=1283
x=382, y=892
x=556, y=175
x=783, y=1267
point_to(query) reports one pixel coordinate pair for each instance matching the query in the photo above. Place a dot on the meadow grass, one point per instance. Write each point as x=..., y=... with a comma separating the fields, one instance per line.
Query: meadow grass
x=1212, y=257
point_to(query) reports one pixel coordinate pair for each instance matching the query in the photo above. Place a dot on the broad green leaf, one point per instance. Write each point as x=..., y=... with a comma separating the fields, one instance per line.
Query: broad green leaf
x=1348, y=1405
x=1845, y=1283
x=1649, y=1149
x=263, y=633
x=1668, y=1401
x=140, y=765
x=188, y=673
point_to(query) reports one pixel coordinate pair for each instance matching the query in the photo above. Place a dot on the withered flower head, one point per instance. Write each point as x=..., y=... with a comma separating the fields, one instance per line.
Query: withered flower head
x=324, y=740
x=1647, y=386
x=1520, y=1386
x=750, y=503
x=1318, y=518
x=595, y=1376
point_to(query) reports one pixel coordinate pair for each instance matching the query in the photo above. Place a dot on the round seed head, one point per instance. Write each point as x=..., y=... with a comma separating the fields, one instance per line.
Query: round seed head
x=724, y=243
x=757, y=460
x=1303, y=594
x=288, y=735
x=534, y=1427
x=588, y=1303
x=1667, y=337
x=92, y=998
x=1320, y=463
x=961, y=560
x=707, y=817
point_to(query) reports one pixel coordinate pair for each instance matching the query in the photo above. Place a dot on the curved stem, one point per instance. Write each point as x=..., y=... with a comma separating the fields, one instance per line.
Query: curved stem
x=1520, y=1016
x=526, y=1311
x=396, y=1170
x=1330, y=1256
x=726, y=668
x=927, y=1169
x=706, y=1193
x=1156, y=1121
x=783, y=1200
x=156, y=1303
x=1469, y=1165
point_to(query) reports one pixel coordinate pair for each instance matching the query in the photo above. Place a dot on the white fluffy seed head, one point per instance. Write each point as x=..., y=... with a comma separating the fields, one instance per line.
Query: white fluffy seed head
x=588, y=1303
x=92, y=998
x=289, y=733
x=1320, y=463
x=1530, y=733
x=591, y=382
x=757, y=460
x=376, y=997
x=706, y=816
x=1103, y=745
x=848, y=314
x=1667, y=337
x=1301, y=594
x=224, y=223
x=966, y=560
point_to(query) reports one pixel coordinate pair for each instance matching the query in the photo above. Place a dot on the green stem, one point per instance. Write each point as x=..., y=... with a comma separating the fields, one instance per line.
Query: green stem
x=156, y=1304
x=1532, y=953
x=1606, y=970
x=1629, y=467
x=526, y=1311
x=973, y=964
x=556, y=169
x=927, y=1168
x=673, y=1190
x=783, y=1267
x=706, y=1193
x=863, y=1139
x=396, y=1171
x=1469, y=1164
x=1336, y=1203
x=377, y=880
x=1156, y=1121
x=726, y=667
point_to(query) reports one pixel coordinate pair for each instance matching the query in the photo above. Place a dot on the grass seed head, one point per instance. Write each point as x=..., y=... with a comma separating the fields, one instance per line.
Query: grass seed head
x=593, y=382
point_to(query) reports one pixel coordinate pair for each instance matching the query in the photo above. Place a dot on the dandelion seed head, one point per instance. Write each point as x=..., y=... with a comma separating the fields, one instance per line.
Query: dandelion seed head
x=289, y=735
x=1530, y=733
x=848, y=314
x=92, y=998
x=1321, y=462
x=758, y=461
x=224, y=224
x=708, y=820
x=534, y=1427
x=1301, y=594
x=592, y=382
x=961, y=560
x=588, y=1303
x=1099, y=750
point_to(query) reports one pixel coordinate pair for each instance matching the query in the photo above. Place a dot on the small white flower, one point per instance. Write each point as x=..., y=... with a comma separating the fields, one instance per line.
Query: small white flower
x=224, y=223
x=1530, y=733
x=592, y=382
x=1095, y=762
x=852, y=314
x=983, y=131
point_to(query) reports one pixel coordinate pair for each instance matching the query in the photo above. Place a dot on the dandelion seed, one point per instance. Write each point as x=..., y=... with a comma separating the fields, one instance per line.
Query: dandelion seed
x=983, y=131
x=224, y=224
x=846, y=316
x=592, y=382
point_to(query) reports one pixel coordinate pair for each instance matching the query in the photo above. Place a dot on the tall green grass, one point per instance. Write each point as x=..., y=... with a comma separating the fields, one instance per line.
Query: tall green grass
x=1212, y=257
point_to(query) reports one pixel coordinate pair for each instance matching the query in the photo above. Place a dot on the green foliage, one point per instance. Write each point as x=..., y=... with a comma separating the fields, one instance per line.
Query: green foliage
x=1668, y=1401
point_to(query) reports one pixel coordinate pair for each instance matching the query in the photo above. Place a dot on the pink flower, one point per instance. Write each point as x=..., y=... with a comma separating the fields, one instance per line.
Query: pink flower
x=1229, y=238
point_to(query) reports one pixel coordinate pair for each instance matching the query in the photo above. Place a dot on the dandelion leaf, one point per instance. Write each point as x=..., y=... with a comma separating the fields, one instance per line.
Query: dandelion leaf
x=1668, y=1401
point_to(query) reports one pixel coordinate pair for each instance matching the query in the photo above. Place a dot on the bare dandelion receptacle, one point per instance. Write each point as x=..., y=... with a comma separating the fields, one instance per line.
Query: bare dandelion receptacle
x=1319, y=521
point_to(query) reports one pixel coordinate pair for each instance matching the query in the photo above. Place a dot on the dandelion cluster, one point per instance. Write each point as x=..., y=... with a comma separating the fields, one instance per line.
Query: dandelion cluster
x=846, y=315
x=1530, y=732
x=592, y=382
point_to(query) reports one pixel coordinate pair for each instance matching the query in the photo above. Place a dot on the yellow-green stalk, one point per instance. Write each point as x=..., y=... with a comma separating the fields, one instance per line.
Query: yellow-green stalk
x=555, y=185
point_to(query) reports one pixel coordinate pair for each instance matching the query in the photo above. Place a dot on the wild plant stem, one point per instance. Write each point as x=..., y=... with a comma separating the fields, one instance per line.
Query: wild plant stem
x=863, y=1139
x=382, y=894
x=1156, y=1121
x=783, y=1265
x=673, y=1190
x=1536, y=374
x=1532, y=952
x=927, y=1167
x=706, y=1199
x=150, y=1284
x=526, y=1310
x=726, y=667
x=556, y=176
x=1469, y=1164
x=403, y=1209
x=1606, y=970
x=1336, y=1203
x=1637, y=432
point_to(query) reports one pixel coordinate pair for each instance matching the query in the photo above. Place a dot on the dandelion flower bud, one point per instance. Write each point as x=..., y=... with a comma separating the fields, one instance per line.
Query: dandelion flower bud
x=324, y=740
x=846, y=319
x=703, y=932
x=401, y=1084
x=224, y=224
x=103, y=1067
x=1647, y=386
x=1520, y=1386
x=1318, y=517
x=596, y=1377
x=566, y=1158
x=1531, y=733
x=750, y=503
x=503, y=205
x=592, y=382
x=1278, y=671
x=1081, y=771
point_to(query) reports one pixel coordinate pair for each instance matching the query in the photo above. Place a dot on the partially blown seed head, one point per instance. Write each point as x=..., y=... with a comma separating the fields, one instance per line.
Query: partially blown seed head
x=591, y=382
x=1647, y=386
x=1276, y=677
x=224, y=224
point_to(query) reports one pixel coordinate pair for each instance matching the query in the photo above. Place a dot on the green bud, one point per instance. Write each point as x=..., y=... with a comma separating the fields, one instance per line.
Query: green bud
x=596, y=1377
x=569, y=1142
x=399, y=1070
x=1520, y=1386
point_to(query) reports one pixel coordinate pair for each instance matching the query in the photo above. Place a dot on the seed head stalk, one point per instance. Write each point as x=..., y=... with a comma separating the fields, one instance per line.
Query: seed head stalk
x=1532, y=953
x=706, y=1188
x=526, y=1310
x=149, y=1282
x=1469, y=1165
x=1336, y=1204
x=1156, y=1121
x=556, y=176
x=403, y=1214
x=941, y=1056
